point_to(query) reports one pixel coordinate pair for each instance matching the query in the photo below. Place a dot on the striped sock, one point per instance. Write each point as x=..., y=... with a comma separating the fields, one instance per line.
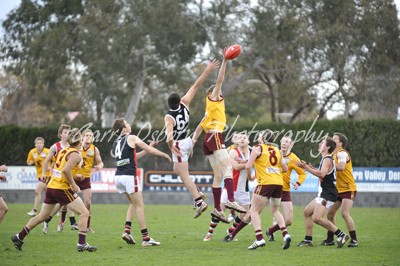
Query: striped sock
x=214, y=222
x=145, y=235
x=128, y=227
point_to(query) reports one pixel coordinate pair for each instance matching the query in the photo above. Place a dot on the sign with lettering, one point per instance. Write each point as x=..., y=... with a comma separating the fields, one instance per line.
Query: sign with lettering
x=169, y=181
x=25, y=178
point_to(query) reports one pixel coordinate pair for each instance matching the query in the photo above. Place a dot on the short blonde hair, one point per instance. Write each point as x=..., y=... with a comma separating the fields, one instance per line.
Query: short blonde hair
x=62, y=127
x=39, y=138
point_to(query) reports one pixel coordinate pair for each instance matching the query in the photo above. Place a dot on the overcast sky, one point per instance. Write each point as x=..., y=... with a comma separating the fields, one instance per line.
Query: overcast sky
x=7, y=5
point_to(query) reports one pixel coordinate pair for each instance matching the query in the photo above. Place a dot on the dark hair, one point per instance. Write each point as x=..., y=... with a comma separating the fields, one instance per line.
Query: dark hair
x=342, y=138
x=329, y=142
x=174, y=100
x=118, y=125
x=267, y=136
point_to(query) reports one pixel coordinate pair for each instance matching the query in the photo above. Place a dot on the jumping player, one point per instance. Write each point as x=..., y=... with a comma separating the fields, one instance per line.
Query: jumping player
x=180, y=144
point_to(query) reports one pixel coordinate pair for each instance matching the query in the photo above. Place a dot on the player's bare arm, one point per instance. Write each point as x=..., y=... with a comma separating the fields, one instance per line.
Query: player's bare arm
x=234, y=161
x=253, y=156
x=188, y=97
x=169, y=131
x=97, y=158
x=326, y=167
x=143, y=153
x=217, y=91
x=72, y=160
x=284, y=165
x=52, y=152
x=137, y=141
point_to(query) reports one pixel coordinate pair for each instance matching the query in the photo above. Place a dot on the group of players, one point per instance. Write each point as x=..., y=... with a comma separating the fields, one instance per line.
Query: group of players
x=272, y=167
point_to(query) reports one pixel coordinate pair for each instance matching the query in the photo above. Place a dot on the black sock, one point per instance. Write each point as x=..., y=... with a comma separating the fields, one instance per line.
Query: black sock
x=72, y=220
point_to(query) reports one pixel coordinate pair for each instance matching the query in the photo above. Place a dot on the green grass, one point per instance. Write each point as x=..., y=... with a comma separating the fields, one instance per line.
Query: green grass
x=181, y=240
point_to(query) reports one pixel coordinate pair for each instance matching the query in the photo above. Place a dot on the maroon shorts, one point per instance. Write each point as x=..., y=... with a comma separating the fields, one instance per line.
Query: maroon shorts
x=351, y=195
x=62, y=196
x=213, y=141
x=269, y=191
x=286, y=196
x=84, y=184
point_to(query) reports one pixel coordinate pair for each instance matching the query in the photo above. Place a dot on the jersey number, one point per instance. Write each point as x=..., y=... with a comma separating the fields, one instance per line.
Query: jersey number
x=181, y=121
x=60, y=157
x=272, y=156
x=118, y=152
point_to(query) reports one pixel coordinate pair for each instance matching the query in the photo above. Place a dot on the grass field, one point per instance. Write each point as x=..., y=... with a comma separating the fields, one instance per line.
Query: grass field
x=181, y=240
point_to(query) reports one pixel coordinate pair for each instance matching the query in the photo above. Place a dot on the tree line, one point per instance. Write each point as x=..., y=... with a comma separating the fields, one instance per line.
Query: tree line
x=108, y=58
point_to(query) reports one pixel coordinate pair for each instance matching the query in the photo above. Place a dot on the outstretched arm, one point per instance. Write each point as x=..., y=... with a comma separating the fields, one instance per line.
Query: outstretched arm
x=220, y=80
x=188, y=97
x=134, y=140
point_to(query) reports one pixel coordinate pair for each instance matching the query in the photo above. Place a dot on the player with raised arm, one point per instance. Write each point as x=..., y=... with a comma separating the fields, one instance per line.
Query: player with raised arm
x=179, y=142
x=127, y=181
x=214, y=148
x=36, y=156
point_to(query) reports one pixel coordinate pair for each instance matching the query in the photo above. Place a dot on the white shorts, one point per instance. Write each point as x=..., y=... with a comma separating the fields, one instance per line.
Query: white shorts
x=241, y=197
x=185, y=146
x=328, y=204
x=127, y=183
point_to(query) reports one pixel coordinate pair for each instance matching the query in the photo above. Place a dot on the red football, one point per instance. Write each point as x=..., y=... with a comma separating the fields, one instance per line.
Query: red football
x=233, y=52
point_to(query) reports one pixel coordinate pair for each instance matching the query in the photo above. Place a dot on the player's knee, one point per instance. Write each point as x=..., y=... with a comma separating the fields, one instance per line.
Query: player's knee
x=288, y=221
x=228, y=170
x=317, y=220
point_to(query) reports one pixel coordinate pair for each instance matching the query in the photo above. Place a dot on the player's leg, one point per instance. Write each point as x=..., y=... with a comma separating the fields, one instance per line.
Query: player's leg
x=347, y=204
x=274, y=206
x=257, y=205
x=55, y=210
x=32, y=223
x=138, y=207
x=72, y=221
x=87, y=195
x=308, y=222
x=77, y=206
x=331, y=214
x=3, y=208
x=182, y=170
x=38, y=197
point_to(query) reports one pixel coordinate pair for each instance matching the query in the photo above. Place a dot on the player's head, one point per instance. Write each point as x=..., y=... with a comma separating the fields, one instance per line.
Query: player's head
x=63, y=131
x=87, y=136
x=74, y=137
x=120, y=126
x=340, y=139
x=266, y=136
x=286, y=144
x=242, y=140
x=39, y=143
x=327, y=145
x=174, y=100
